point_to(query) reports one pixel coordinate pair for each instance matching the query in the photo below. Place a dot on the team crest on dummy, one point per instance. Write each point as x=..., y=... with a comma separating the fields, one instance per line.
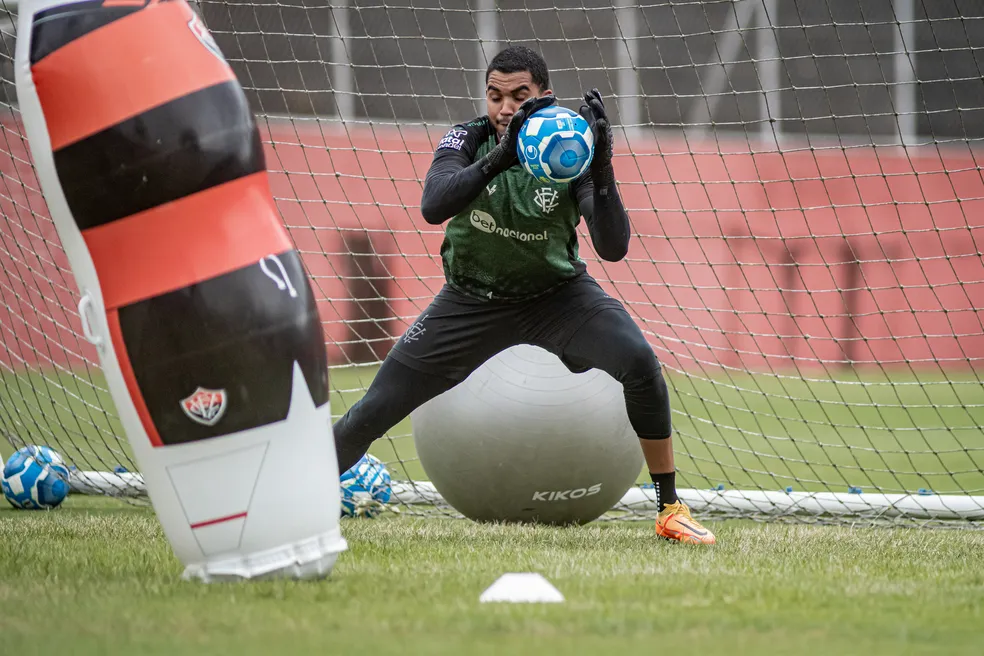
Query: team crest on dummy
x=205, y=406
x=202, y=34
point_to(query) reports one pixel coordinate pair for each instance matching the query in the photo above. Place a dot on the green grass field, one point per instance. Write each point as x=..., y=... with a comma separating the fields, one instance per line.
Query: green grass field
x=896, y=433
x=97, y=577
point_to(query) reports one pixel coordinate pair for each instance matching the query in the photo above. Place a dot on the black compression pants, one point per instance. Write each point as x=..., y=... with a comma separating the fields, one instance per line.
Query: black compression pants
x=579, y=323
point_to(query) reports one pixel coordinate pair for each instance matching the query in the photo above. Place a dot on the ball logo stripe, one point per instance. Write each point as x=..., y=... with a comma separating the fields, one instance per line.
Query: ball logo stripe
x=532, y=125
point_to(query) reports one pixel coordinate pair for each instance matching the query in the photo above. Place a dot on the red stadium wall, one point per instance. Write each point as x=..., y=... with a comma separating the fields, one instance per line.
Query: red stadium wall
x=766, y=261
x=804, y=257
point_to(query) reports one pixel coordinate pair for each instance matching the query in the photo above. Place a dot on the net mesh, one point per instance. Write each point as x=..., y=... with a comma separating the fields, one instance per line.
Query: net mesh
x=803, y=180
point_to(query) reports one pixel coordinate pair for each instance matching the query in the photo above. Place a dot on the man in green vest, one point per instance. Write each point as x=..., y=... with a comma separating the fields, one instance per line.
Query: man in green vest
x=513, y=275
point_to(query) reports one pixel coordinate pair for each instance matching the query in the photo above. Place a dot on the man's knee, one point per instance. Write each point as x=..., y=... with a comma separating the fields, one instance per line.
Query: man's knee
x=611, y=341
x=647, y=397
x=639, y=364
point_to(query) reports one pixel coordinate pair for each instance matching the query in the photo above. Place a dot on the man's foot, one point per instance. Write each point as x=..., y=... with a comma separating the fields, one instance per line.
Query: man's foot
x=676, y=523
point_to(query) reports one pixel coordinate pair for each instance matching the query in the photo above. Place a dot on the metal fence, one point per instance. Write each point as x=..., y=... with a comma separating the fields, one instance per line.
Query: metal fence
x=867, y=70
x=878, y=70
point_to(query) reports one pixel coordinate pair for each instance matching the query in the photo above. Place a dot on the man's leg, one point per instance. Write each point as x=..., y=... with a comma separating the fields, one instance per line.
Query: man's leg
x=588, y=329
x=612, y=342
x=449, y=340
x=395, y=392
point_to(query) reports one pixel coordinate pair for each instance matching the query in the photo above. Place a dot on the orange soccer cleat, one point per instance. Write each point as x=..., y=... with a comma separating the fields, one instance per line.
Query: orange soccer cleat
x=676, y=523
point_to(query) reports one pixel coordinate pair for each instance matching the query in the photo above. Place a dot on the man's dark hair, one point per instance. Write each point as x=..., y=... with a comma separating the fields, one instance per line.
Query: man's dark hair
x=520, y=58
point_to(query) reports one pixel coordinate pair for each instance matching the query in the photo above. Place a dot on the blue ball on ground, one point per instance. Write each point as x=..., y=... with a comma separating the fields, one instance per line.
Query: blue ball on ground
x=35, y=478
x=366, y=488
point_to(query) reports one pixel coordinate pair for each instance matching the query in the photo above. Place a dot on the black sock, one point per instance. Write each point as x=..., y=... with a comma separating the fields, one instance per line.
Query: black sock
x=665, y=488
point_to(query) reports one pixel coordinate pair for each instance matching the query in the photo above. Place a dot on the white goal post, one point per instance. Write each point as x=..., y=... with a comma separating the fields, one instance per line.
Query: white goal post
x=641, y=501
x=804, y=180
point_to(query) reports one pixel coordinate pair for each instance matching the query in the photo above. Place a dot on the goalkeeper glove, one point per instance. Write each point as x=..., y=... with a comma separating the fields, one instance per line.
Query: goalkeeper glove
x=504, y=154
x=593, y=111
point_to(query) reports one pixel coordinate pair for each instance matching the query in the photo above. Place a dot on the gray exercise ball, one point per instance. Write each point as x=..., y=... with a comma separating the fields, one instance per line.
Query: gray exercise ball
x=525, y=440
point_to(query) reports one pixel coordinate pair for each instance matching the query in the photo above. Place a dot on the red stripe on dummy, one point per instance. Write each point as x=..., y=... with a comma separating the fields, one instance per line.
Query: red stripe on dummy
x=126, y=368
x=85, y=86
x=187, y=241
x=218, y=520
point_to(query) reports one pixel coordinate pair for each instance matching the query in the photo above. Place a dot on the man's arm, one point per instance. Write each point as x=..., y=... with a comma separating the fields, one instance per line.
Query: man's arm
x=608, y=222
x=452, y=182
x=596, y=193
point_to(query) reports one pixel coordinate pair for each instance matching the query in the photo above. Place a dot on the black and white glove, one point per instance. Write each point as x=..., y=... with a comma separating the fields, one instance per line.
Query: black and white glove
x=593, y=111
x=504, y=154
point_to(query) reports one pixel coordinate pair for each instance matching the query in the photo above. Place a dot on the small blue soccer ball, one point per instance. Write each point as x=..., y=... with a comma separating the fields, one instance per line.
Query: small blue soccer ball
x=555, y=145
x=35, y=478
x=365, y=488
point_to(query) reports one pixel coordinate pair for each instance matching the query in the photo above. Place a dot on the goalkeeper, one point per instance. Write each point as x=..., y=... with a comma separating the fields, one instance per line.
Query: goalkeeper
x=514, y=277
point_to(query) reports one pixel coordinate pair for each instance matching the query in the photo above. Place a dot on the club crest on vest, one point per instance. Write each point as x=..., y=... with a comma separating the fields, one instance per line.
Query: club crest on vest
x=546, y=199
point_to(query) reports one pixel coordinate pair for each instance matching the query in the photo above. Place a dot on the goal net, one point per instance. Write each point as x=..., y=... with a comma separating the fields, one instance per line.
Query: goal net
x=805, y=188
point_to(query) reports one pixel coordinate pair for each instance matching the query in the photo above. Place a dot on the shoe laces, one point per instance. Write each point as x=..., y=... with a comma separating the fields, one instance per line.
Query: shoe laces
x=676, y=508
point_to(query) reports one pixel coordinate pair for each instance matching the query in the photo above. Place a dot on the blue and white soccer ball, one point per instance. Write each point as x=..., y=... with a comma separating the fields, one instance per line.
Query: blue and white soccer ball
x=555, y=145
x=366, y=488
x=35, y=478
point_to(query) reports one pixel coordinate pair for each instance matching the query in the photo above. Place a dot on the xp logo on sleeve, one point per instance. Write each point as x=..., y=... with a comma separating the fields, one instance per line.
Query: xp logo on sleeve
x=454, y=139
x=486, y=223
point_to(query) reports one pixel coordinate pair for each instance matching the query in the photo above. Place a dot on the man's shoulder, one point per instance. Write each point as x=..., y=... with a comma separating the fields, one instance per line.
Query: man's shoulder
x=477, y=124
x=467, y=135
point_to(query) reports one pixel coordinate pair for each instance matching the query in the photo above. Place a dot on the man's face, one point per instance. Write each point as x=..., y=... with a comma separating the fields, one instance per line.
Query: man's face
x=505, y=92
